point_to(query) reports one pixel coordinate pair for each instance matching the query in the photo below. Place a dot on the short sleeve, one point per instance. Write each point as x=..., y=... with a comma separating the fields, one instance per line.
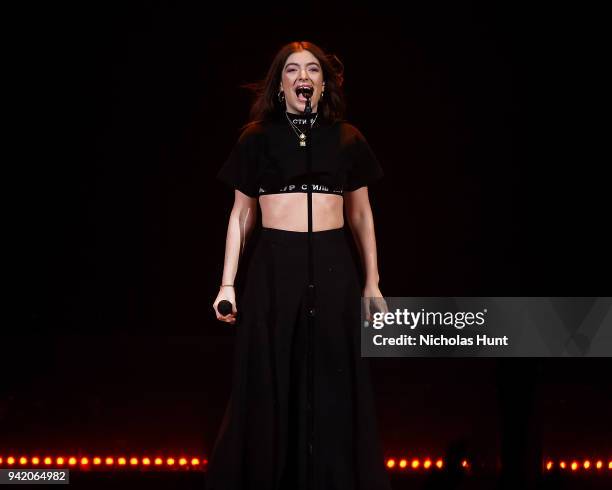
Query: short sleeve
x=365, y=167
x=241, y=169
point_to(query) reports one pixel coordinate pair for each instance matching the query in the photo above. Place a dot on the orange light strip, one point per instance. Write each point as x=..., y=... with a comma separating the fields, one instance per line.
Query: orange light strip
x=106, y=462
x=596, y=465
x=413, y=464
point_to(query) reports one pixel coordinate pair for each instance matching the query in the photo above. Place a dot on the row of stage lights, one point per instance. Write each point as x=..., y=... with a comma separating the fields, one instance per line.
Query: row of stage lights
x=107, y=462
x=550, y=465
x=416, y=464
x=197, y=463
x=575, y=465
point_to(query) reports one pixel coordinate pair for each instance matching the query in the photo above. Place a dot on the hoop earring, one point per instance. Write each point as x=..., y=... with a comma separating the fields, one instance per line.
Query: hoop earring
x=278, y=96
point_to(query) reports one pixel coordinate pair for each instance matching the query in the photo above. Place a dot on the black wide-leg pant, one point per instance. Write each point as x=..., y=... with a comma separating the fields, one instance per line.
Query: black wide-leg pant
x=261, y=444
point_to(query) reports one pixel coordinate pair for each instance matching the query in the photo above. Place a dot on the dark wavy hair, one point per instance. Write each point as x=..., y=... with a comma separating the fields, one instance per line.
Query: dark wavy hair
x=266, y=105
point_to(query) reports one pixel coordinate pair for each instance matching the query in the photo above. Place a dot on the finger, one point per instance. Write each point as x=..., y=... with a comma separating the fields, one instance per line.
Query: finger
x=379, y=305
x=385, y=307
x=366, y=310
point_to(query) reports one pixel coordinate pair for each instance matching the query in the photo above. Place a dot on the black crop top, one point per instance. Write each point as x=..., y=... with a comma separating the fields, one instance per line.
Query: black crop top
x=268, y=158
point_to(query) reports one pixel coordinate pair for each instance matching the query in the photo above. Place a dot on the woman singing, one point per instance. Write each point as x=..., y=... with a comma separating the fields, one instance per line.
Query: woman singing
x=263, y=442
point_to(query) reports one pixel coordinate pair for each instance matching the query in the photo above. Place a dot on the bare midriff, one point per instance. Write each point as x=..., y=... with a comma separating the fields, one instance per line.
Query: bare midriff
x=290, y=211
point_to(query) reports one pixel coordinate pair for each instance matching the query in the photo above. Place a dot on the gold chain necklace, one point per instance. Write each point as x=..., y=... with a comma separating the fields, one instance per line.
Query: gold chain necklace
x=297, y=131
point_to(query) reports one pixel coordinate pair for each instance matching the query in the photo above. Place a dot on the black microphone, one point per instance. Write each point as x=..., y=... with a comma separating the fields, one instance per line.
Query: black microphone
x=305, y=91
x=224, y=307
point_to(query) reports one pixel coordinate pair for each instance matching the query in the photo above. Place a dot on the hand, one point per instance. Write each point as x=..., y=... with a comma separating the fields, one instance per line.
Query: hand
x=374, y=302
x=226, y=293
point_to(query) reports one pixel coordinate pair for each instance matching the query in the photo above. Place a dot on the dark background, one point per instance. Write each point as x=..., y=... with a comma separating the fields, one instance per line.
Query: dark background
x=484, y=117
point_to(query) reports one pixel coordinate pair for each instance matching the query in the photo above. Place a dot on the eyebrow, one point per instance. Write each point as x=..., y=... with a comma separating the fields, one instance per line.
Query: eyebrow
x=311, y=63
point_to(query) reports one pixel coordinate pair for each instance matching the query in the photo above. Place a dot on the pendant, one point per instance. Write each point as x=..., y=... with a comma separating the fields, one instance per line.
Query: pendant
x=302, y=143
x=302, y=136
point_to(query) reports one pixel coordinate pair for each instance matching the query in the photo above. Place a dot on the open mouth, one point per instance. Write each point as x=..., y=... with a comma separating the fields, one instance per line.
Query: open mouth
x=301, y=96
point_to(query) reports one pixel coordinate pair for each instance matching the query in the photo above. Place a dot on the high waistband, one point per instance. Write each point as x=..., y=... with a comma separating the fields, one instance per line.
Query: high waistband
x=289, y=236
x=292, y=188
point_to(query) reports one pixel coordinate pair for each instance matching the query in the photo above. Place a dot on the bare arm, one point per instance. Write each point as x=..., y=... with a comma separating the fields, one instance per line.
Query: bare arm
x=242, y=220
x=361, y=223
